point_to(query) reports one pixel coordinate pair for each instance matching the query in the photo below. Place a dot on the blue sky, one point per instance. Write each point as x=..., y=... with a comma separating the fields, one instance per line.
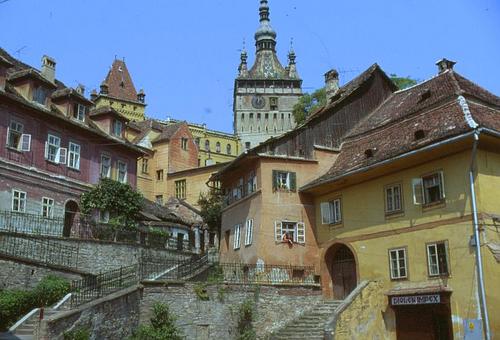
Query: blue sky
x=185, y=53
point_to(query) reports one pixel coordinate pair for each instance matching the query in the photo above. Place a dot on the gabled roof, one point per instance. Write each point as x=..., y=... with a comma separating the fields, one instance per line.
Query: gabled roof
x=120, y=83
x=146, y=126
x=445, y=106
x=103, y=110
x=69, y=92
x=167, y=132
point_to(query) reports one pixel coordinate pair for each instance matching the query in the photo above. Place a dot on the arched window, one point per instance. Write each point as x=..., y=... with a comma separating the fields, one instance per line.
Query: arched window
x=207, y=145
x=217, y=147
x=228, y=149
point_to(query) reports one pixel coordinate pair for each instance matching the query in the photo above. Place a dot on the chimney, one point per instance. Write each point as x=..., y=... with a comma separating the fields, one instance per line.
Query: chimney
x=4, y=66
x=80, y=89
x=49, y=68
x=93, y=95
x=331, y=83
x=444, y=65
x=141, y=95
x=104, y=88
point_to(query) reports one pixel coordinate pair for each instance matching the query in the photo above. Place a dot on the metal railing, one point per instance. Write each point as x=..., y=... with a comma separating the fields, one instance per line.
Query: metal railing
x=171, y=269
x=31, y=224
x=97, y=286
x=39, y=249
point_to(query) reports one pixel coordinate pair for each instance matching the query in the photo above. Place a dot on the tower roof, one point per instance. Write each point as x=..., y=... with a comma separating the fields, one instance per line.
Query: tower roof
x=265, y=31
x=119, y=82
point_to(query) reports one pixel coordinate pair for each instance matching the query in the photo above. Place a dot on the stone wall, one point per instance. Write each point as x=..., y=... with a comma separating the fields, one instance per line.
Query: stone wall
x=364, y=315
x=112, y=317
x=217, y=318
x=26, y=275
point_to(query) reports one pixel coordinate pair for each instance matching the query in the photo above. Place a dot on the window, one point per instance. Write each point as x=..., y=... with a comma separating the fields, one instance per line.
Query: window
x=283, y=180
x=180, y=189
x=437, y=258
x=197, y=142
x=273, y=103
x=258, y=115
x=18, y=201
x=74, y=156
x=207, y=145
x=159, y=199
x=249, y=232
x=184, y=143
x=247, y=145
x=117, y=127
x=47, y=207
x=159, y=175
x=217, y=147
x=428, y=189
x=105, y=166
x=53, y=151
x=236, y=240
x=393, y=199
x=79, y=111
x=103, y=216
x=266, y=115
x=228, y=149
x=144, y=165
x=39, y=95
x=122, y=172
x=398, y=263
x=252, y=183
x=290, y=232
x=331, y=212
x=16, y=139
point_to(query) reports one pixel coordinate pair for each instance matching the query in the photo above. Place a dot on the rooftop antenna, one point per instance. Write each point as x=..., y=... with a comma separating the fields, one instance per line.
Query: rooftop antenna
x=19, y=50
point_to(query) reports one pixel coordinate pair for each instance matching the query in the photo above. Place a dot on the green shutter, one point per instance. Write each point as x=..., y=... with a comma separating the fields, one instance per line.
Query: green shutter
x=275, y=180
x=293, y=181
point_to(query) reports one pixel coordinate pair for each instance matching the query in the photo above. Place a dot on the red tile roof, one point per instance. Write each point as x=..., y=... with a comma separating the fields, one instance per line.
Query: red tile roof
x=120, y=83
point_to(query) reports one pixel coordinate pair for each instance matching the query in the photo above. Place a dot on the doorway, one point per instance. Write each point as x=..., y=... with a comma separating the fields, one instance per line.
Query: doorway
x=342, y=268
x=70, y=213
x=431, y=322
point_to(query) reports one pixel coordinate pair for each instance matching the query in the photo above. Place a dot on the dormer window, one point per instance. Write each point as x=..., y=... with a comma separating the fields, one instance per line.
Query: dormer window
x=117, y=128
x=79, y=112
x=425, y=94
x=419, y=134
x=39, y=95
x=369, y=153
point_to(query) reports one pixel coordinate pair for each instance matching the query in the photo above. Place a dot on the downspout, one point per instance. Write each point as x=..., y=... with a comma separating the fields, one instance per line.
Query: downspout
x=477, y=239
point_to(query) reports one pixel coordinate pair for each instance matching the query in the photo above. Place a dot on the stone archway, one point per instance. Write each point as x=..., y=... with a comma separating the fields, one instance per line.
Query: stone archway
x=71, y=212
x=341, y=264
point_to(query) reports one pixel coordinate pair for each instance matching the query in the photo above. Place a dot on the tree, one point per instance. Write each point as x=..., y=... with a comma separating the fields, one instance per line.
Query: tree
x=307, y=104
x=402, y=82
x=121, y=201
x=211, y=209
x=162, y=326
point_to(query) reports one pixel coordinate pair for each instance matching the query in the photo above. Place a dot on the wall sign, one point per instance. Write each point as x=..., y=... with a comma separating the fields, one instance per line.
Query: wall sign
x=415, y=299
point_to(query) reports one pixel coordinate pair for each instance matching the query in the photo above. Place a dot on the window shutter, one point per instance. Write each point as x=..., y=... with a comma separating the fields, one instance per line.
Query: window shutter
x=301, y=233
x=293, y=181
x=8, y=135
x=337, y=210
x=418, y=197
x=75, y=110
x=249, y=232
x=46, y=153
x=275, y=180
x=441, y=178
x=277, y=231
x=325, y=213
x=25, y=142
x=62, y=156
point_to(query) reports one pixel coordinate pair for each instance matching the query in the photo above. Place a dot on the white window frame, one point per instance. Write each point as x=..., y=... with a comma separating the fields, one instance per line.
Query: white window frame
x=419, y=189
x=181, y=189
x=331, y=212
x=397, y=258
x=249, y=232
x=117, y=128
x=237, y=237
x=47, y=207
x=145, y=165
x=436, y=265
x=74, y=150
x=108, y=172
x=299, y=232
x=79, y=114
x=119, y=166
x=21, y=198
x=283, y=182
x=15, y=130
x=392, y=200
x=52, y=148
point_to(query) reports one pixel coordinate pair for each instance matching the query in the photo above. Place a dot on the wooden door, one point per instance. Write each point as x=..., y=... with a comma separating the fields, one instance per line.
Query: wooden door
x=343, y=273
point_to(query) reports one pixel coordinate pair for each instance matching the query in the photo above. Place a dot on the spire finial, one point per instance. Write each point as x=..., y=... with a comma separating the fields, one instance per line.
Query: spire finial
x=291, y=54
x=264, y=11
x=243, y=69
x=265, y=37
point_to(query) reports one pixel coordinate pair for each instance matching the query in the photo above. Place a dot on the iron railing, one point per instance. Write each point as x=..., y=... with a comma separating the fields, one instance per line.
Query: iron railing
x=39, y=249
x=97, y=286
x=171, y=269
x=31, y=224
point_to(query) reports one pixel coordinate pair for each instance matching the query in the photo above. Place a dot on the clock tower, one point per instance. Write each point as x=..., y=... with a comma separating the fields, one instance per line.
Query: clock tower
x=265, y=94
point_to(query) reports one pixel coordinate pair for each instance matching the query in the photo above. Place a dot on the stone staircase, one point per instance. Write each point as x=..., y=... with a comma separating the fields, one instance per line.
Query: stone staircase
x=309, y=325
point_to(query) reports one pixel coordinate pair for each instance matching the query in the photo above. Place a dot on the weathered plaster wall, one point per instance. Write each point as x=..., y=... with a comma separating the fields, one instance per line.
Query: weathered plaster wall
x=217, y=318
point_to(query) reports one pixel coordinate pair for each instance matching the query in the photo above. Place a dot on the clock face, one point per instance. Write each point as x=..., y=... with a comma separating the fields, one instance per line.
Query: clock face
x=258, y=102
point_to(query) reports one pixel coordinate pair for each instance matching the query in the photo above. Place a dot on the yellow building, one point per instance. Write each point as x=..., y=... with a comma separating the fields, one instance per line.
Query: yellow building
x=118, y=91
x=397, y=207
x=213, y=146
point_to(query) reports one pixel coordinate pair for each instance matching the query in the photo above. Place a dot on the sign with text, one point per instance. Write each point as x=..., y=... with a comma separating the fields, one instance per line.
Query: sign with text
x=415, y=299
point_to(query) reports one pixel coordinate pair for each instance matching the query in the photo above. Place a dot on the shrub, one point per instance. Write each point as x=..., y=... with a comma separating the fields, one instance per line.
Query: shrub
x=80, y=333
x=245, y=327
x=50, y=290
x=162, y=326
x=201, y=291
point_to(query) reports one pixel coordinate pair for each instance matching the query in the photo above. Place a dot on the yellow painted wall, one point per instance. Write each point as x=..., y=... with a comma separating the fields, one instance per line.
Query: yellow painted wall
x=133, y=111
x=364, y=216
x=213, y=137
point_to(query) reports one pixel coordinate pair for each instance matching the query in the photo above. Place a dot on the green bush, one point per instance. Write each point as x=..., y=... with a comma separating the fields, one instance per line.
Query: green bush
x=245, y=327
x=162, y=326
x=80, y=333
x=14, y=303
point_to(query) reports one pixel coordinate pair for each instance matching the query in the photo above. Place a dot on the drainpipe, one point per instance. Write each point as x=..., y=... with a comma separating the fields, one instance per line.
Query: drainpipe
x=479, y=262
